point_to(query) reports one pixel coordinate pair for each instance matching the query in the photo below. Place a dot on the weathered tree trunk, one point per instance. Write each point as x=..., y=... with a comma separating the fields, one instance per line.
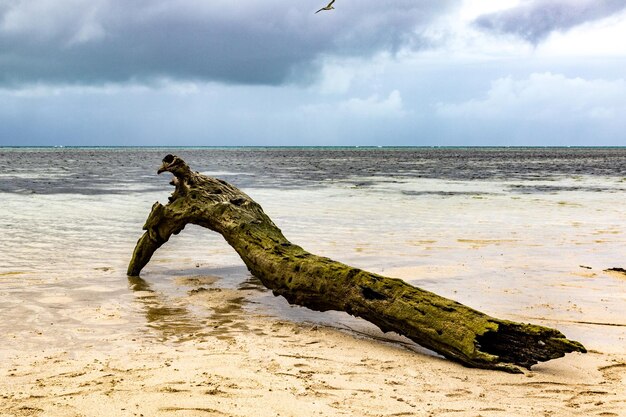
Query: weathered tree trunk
x=445, y=326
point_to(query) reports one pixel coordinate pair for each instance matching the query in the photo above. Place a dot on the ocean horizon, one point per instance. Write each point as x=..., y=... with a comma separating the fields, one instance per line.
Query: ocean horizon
x=391, y=147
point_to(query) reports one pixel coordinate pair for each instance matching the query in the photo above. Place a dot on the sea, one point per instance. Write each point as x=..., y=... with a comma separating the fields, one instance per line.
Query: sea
x=526, y=234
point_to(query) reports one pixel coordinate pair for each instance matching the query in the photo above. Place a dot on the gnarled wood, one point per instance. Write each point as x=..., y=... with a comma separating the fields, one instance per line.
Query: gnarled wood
x=445, y=326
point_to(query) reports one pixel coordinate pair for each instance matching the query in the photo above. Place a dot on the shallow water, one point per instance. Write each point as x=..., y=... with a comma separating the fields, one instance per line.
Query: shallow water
x=523, y=234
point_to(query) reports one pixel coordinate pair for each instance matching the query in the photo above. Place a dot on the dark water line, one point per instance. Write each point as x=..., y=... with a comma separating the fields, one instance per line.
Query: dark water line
x=115, y=170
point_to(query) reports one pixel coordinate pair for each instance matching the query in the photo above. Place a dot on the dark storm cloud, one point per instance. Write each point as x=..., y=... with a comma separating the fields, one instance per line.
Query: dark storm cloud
x=245, y=41
x=535, y=20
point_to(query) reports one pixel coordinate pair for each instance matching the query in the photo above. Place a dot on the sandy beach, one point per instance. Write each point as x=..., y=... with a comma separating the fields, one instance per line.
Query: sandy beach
x=240, y=363
x=276, y=368
x=197, y=335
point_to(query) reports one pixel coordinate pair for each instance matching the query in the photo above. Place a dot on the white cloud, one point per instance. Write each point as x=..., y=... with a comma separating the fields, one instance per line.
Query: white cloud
x=371, y=107
x=374, y=105
x=544, y=96
x=456, y=36
x=164, y=85
x=592, y=39
x=535, y=20
x=337, y=76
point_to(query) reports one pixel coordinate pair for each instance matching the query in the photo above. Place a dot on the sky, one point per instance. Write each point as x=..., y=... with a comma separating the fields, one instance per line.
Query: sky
x=274, y=73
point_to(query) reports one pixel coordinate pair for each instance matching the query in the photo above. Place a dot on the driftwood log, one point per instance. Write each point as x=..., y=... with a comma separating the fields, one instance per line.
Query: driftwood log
x=451, y=329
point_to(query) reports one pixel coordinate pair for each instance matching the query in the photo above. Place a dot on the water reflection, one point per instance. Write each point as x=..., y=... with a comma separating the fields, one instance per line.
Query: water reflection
x=225, y=307
x=206, y=308
x=172, y=321
x=252, y=283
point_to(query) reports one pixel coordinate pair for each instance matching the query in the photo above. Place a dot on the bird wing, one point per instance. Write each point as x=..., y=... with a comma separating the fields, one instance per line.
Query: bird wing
x=325, y=8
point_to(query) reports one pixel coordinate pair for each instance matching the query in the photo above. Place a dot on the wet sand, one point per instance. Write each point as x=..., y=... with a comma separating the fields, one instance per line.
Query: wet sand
x=239, y=363
x=274, y=368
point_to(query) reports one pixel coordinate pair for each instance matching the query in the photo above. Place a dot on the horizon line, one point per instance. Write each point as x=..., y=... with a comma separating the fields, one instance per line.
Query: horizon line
x=310, y=146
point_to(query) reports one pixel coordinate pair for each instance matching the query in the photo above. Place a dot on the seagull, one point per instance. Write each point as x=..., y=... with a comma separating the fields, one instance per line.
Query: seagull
x=328, y=7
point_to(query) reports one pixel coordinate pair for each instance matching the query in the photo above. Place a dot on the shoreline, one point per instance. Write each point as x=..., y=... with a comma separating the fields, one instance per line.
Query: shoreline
x=274, y=367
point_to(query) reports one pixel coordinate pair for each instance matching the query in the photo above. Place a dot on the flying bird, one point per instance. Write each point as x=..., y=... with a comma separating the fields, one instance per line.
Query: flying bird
x=328, y=7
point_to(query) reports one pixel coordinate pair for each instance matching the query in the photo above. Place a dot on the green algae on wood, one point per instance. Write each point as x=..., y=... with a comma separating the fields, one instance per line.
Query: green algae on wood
x=445, y=326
